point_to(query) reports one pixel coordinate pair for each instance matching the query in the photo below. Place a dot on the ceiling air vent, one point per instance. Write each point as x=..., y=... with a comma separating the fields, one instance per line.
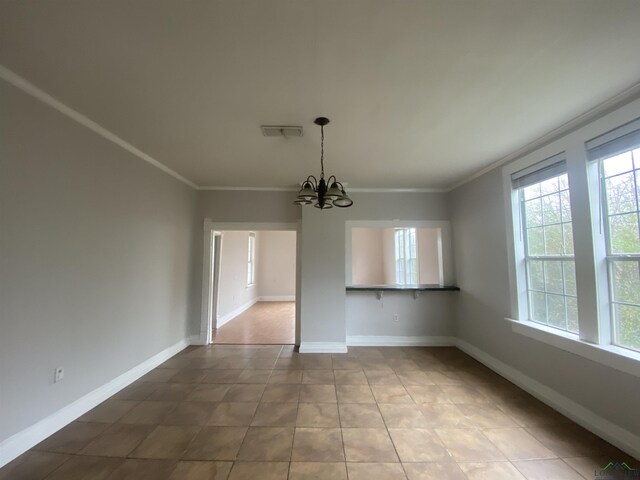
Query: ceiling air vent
x=281, y=131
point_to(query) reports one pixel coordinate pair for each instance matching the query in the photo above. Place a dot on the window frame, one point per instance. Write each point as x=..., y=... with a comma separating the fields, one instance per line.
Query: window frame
x=594, y=338
x=605, y=254
x=251, y=259
x=406, y=233
x=528, y=257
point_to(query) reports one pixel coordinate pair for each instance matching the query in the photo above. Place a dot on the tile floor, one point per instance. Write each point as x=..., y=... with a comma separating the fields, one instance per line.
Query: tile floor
x=268, y=413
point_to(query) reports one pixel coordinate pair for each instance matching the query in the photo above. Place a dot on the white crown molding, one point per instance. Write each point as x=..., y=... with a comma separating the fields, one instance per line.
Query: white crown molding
x=22, y=441
x=27, y=87
x=357, y=190
x=250, y=189
x=589, y=116
x=399, y=190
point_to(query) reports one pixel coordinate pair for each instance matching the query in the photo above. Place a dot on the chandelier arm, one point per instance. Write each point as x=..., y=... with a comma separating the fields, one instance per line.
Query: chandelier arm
x=313, y=181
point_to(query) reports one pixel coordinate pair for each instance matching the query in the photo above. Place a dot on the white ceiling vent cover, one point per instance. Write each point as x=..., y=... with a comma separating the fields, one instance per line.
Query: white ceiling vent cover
x=281, y=131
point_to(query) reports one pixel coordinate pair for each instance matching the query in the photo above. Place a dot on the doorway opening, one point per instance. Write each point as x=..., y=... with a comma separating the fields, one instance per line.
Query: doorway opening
x=250, y=285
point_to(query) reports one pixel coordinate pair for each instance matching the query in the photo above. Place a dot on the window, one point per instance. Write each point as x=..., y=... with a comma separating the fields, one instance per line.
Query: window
x=619, y=172
x=251, y=259
x=406, y=256
x=547, y=236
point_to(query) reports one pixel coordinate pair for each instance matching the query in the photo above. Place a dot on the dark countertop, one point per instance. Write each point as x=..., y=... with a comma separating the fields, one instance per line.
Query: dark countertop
x=399, y=288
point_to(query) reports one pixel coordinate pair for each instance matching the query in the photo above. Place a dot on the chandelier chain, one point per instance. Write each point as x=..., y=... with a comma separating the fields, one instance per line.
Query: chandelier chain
x=322, y=151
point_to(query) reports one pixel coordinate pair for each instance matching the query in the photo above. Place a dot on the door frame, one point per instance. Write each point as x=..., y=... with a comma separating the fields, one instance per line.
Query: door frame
x=212, y=229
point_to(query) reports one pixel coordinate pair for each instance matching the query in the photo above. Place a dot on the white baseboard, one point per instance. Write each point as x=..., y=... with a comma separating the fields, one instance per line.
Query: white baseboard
x=277, y=298
x=323, y=347
x=197, y=340
x=614, y=434
x=395, y=341
x=234, y=313
x=19, y=443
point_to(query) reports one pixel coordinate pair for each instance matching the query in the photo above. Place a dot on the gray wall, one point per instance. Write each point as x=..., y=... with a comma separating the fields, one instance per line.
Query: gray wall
x=96, y=252
x=479, y=231
x=323, y=297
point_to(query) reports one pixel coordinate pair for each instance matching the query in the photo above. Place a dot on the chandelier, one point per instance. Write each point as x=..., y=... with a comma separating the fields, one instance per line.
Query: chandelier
x=323, y=194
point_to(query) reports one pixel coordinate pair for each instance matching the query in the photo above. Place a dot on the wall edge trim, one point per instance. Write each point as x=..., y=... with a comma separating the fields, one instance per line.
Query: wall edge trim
x=611, y=432
x=22, y=441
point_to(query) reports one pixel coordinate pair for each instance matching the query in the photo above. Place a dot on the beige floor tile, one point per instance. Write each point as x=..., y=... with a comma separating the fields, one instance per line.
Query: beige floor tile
x=463, y=394
x=108, y=411
x=286, y=377
x=254, y=376
x=172, y=392
x=159, y=375
x=216, y=443
x=81, y=467
x=208, y=392
x=136, y=391
x=401, y=415
x=118, y=440
x=281, y=393
x=317, y=471
x=259, y=470
x=368, y=445
x=233, y=414
x=317, y=445
x=434, y=471
x=414, y=377
x=32, y=465
x=529, y=412
x=469, y=445
x=222, y=376
x=318, y=377
x=189, y=413
x=364, y=415
x=350, y=377
x=418, y=445
x=445, y=377
x=375, y=471
x=492, y=471
x=244, y=393
x=165, y=442
x=139, y=469
x=427, y=394
x=486, y=416
x=391, y=394
x=570, y=440
x=312, y=361
x=382, y=377
x=548, y=469
x=186, y=470
x=518, y=444
x=444, y=415
x=318, y=393
x=275, y=415
x=317, y=415
x=72, y=438
x=269, y=444
x=188, y=375
x=354, y=394
x=148, y=413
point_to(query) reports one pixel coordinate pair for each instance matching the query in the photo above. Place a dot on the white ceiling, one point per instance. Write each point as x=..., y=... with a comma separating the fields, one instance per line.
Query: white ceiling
x=421, y=94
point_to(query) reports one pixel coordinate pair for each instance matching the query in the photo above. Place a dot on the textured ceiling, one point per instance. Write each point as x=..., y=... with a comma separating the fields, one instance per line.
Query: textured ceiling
x=420, y=93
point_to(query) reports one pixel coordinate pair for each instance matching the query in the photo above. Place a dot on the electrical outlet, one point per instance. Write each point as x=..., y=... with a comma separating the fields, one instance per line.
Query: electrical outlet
x=396, y=317
x=58, y=374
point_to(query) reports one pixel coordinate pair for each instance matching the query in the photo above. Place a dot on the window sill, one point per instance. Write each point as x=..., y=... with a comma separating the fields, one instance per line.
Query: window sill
x=621, y=359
